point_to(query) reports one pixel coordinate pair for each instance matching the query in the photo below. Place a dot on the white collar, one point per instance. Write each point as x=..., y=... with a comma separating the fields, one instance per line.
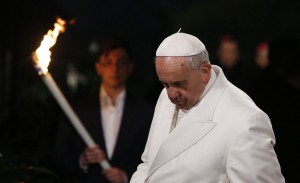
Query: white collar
x=106, y=100
x=213, y=77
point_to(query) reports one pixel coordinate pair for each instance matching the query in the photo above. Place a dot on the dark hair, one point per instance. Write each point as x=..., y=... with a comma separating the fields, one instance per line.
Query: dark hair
x=112, y=43
x=228, y=38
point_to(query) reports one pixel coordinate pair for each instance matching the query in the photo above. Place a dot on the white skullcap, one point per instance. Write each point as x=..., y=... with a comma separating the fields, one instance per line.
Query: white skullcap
x=180, y=44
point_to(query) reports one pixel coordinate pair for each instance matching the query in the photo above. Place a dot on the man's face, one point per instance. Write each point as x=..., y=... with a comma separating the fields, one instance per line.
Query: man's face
x=114, y=68
x=184, y=85
x=228, y=53
x=262, y=59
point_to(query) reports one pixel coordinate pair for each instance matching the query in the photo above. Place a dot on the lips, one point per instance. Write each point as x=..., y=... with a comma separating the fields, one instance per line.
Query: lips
x=178, y=102
x=115, y=77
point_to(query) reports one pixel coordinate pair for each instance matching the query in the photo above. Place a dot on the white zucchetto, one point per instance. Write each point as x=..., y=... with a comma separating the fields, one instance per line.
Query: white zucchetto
x=180, y=44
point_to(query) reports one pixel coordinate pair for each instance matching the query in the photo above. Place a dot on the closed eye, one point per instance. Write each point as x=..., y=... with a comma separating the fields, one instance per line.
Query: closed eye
x=177, y=84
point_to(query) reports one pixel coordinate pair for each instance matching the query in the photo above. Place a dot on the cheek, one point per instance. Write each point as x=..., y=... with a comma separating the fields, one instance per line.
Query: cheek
x=192, y=94
x=182, y=96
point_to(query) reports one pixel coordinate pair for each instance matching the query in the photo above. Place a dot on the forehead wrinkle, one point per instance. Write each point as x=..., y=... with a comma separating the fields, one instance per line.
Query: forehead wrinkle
x=171, y=63
x=171, y=59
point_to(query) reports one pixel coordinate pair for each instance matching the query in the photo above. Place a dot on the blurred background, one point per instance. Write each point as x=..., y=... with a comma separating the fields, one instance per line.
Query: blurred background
x=28, y=115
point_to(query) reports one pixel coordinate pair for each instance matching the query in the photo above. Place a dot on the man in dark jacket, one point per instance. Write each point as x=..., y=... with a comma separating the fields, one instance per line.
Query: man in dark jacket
x=117, y=121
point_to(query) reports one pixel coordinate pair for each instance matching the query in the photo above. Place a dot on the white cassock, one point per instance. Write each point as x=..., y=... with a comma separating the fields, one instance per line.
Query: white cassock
x=224, y=138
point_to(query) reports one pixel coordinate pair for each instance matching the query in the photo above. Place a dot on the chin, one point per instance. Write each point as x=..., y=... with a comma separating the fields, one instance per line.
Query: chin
x=186, y=108
x=181, y=106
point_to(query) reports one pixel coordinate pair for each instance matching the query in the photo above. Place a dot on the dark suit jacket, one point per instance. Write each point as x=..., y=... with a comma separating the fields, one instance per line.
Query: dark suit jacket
x=135, y=125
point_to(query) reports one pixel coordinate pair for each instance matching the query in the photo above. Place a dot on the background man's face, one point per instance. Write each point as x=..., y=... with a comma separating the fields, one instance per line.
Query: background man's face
x=228, y=53
x=114, y=68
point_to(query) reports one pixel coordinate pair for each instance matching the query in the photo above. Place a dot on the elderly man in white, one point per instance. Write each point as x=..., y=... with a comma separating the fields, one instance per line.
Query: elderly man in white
x=204, y=130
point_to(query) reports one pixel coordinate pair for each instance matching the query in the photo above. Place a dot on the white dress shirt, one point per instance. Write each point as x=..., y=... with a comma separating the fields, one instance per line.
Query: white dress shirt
x=111, y=118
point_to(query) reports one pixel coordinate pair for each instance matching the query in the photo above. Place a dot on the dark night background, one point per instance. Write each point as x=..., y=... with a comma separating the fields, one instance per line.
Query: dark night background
x=28, y=112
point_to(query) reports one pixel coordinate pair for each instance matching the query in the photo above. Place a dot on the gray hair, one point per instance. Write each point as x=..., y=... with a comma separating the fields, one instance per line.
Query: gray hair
x=196, y=61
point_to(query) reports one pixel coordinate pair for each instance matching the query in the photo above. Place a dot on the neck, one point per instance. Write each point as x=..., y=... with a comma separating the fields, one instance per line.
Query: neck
x=113, y=92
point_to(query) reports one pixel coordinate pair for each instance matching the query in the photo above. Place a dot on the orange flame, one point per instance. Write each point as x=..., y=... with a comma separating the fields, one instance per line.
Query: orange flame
x=42, y=54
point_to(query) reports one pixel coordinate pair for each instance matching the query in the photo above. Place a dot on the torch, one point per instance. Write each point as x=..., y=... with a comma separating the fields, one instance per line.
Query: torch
x=42, y=59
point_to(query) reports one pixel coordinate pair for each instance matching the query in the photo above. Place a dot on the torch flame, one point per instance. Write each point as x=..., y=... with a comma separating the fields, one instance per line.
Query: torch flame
x=42, y=53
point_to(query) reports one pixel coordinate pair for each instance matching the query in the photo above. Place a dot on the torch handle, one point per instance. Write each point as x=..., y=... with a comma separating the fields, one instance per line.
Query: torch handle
x=71, y=115
x=104, y=164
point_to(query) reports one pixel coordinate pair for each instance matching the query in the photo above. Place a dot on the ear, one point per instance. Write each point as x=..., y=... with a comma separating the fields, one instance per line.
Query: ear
x=98, y=68
x=205, y=72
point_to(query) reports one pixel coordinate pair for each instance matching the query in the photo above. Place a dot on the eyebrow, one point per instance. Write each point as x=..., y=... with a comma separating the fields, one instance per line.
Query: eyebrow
x=175, y=82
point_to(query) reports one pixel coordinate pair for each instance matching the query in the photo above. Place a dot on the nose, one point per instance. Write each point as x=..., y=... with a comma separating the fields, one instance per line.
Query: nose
x=115, y=67
x=172, y=93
